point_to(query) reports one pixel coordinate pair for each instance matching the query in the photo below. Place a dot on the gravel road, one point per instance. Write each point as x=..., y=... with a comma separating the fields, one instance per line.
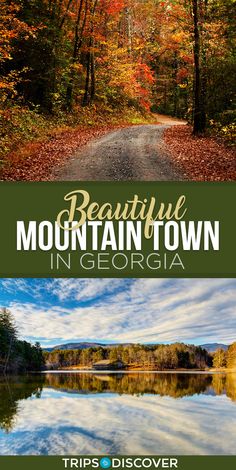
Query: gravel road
x=135, y=153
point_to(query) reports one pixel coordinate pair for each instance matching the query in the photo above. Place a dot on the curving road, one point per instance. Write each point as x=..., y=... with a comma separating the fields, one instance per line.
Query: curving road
x=135, y=153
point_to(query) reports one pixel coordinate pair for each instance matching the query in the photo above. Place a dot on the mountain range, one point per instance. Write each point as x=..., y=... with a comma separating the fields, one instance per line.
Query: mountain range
x=210, y=347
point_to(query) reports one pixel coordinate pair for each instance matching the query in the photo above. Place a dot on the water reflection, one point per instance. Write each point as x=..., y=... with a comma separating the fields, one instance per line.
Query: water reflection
x=12, y=391
x=118, y=413
x=163, y=384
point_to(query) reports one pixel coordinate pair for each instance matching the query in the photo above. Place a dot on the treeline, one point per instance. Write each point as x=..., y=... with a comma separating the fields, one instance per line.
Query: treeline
x=158, y=357
x=225, y=359
x=16, y=356
x=174, y=57
x=175, y=385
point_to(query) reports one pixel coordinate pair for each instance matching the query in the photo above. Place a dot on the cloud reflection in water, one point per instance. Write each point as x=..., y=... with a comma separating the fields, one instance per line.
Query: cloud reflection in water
x=72, y=423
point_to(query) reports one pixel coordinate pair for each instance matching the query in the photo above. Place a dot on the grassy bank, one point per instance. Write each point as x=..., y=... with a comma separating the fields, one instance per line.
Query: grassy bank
x=32, y=144
x=20, y=125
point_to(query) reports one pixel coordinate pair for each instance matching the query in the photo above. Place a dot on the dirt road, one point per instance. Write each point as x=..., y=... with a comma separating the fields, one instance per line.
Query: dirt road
x=135, y=153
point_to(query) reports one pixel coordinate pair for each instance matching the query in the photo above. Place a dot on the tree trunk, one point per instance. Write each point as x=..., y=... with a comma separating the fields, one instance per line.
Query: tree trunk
x=175, y=74
x=93, y=83
x=87, y=82
x=8, y=356
x=165, y=97
x=199, y=116
x=129, y=29
x=78, y=36
x=204, y=4
x=89, y=91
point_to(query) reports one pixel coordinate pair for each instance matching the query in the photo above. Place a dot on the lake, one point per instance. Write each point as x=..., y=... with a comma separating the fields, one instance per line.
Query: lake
x=118, y=413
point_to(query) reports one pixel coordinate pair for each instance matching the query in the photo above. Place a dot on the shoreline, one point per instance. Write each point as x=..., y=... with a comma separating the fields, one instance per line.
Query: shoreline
x=133, y=371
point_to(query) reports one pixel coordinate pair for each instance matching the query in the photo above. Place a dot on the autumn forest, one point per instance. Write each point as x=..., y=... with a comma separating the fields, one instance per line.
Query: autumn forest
x=103, y=62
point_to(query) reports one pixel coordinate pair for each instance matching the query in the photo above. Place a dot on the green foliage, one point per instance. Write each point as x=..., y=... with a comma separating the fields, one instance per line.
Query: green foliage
x=7, y=334
x=19, y=124
x=225, y=126
x=15, y=355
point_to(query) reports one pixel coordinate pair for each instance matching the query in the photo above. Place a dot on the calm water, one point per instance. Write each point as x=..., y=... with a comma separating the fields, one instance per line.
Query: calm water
x=139, y=413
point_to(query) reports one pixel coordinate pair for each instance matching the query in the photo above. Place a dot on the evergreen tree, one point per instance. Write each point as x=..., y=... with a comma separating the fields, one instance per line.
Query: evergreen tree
x=8, y=336
x=15, y=355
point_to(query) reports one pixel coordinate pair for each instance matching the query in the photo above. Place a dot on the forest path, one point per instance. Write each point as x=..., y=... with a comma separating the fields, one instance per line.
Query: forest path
x=135, y=153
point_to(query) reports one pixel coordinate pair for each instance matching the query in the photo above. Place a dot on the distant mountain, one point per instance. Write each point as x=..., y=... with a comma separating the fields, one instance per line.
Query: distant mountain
x=212, y=347
x=82, y=346
x=74, y=346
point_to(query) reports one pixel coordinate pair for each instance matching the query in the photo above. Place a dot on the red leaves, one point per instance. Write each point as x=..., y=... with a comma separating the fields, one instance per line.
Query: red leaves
x=200, y=158
x=182, y=74
x=36, y=161
x=112, y=7
x=144, y=73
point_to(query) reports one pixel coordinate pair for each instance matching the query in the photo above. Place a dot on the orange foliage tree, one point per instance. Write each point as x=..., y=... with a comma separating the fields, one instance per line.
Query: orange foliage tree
x=167, y=56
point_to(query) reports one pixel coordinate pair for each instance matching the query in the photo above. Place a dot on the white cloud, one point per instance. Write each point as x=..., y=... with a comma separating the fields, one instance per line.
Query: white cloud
x=144, y=310
x=84, y=289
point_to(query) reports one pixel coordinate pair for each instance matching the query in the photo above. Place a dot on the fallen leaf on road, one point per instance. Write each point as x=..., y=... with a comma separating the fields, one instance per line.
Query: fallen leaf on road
x=35, y=161
x=200, y=158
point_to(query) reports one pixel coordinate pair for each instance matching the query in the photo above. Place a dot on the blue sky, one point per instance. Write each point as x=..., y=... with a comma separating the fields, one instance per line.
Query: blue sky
x=55, y=311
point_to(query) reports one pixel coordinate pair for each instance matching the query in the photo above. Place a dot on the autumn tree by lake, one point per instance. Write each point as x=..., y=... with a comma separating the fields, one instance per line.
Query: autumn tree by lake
x=231, y=356
x=220, y=358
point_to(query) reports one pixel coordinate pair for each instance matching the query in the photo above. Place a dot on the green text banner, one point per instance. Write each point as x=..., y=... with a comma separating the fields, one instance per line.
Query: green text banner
x=195, y=229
